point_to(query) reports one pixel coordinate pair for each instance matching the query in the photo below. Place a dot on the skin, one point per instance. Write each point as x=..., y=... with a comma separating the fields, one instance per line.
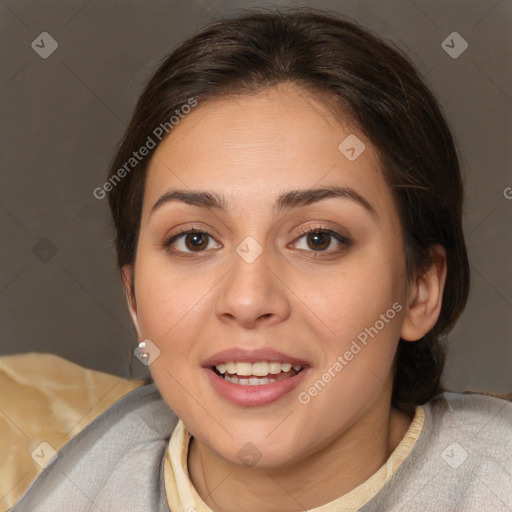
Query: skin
x=293, y=297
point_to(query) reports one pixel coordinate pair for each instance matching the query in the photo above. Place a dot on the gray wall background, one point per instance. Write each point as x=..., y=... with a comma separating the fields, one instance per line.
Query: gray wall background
x=62, y=117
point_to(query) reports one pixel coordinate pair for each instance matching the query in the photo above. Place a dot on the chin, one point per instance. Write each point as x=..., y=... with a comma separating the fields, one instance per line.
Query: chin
x=254, y=449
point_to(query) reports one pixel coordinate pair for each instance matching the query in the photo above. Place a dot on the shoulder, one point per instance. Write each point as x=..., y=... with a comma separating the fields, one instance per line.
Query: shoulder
x=483, y=417
x=126, y=441
x=461, y=459
x=474, y=424
x=468, y=450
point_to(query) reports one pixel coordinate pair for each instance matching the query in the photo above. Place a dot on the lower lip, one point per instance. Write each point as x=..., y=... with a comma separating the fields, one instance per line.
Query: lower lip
x=254, y=395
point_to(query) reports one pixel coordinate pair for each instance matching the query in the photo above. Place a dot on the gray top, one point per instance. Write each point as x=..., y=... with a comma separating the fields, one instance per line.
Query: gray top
x=461, y=462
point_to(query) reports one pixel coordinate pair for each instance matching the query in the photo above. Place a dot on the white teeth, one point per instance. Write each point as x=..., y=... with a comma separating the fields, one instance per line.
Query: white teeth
x=249, y=382
x=274, y=368
x=258, y=369
x=244, y=369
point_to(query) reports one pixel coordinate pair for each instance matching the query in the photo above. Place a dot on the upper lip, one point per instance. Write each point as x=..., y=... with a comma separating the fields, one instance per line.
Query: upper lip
x=237, y=354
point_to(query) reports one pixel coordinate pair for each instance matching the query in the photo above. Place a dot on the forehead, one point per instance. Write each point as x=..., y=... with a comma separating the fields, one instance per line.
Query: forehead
x=251, y=148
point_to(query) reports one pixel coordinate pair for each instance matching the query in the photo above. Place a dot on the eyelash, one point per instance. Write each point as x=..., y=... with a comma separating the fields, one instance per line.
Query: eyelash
x=344, y=241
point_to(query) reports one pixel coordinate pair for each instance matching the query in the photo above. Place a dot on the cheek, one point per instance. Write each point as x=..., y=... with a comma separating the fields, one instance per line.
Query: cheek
x=168, y=300
x=361, y=309
x=357, y=367
x=353, y=299
x=169, y=308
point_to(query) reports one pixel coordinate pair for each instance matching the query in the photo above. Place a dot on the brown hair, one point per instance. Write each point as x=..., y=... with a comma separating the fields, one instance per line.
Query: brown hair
x=359, y=76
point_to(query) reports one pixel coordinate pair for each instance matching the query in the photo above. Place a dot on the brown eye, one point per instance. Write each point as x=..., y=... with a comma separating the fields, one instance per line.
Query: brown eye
x=195, y=241
x=189, y=241
x=319, y=240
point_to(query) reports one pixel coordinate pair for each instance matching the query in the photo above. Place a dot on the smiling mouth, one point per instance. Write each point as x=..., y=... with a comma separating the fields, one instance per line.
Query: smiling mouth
x=256, y=374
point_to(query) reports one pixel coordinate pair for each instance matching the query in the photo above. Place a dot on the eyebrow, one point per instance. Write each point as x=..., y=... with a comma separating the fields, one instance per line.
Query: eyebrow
x=287, y=200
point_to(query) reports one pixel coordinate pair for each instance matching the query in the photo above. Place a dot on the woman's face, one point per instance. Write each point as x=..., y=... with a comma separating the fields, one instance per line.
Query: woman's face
x=249, y=281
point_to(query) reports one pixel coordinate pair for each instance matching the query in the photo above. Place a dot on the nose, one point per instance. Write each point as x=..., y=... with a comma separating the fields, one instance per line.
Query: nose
x=253, y=294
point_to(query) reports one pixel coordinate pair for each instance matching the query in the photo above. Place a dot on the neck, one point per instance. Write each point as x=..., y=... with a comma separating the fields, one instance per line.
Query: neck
x=320, y=478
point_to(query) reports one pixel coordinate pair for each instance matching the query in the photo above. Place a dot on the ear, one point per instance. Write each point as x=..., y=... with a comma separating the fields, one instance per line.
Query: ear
x=426, y=298
x=127, y=277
